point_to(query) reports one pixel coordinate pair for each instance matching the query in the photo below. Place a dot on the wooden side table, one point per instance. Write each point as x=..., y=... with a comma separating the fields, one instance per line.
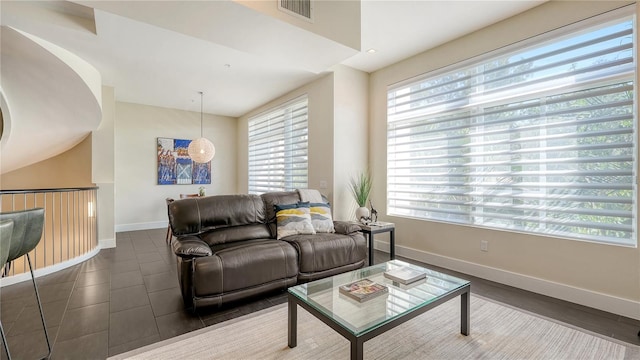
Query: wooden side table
x=371, y=230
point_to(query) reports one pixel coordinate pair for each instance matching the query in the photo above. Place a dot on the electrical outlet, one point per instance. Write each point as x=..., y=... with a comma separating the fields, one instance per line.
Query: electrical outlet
x=484, y=245
x=323, y=184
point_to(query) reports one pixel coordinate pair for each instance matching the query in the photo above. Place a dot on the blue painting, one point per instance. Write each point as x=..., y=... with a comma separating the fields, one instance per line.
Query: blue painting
x=201, y=173
x=176, y=167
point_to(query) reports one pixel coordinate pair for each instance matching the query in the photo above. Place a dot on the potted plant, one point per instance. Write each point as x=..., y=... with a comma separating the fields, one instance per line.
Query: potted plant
x=360, y=187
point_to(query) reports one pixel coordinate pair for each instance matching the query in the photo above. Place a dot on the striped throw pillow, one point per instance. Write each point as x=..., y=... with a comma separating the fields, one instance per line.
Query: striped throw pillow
x=293, y=219
x=321, y=217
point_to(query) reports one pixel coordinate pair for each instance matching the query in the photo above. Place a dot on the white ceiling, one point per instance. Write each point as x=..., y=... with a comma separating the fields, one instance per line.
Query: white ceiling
x=163, y=53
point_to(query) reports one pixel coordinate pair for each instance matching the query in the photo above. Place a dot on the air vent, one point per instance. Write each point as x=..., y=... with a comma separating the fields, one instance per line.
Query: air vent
x=298, y=8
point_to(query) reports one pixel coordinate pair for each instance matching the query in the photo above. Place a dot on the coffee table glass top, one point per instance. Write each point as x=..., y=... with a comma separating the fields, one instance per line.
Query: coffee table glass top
x=362, y=317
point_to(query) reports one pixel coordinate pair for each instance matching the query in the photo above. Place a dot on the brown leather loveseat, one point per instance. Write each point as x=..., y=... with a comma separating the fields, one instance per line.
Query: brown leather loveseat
x=227, y=248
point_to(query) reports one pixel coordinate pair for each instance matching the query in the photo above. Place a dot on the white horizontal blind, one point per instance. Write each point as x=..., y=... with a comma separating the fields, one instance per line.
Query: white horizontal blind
x=278, y=144
x=539, y=140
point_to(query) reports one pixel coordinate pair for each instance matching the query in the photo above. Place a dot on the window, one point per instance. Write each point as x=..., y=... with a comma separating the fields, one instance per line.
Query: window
x=539, y=139
x=278, y=148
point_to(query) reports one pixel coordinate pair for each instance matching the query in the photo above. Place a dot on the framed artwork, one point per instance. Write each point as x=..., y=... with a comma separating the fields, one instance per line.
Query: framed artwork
x=176, y=167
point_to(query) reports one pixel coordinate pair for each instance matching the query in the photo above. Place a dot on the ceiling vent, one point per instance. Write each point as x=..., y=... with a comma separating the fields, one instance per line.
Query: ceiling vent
x=299, y=8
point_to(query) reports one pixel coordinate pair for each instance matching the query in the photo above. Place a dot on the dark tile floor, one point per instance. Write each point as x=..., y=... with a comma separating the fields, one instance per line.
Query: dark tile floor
x=128, y=297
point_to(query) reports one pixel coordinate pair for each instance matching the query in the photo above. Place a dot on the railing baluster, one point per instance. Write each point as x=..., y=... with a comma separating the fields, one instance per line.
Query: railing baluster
x=74, y=218
x=95, y=217
x=60, y=223
x=79, y=235
x=84, y=221
x=68, y=228
x=85, y=228
x=24, y=265
x=44, y=234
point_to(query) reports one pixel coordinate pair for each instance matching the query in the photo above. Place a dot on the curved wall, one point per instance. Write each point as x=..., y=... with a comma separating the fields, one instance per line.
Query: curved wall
x=71, y=168
x=51, y=99
x=51, y=103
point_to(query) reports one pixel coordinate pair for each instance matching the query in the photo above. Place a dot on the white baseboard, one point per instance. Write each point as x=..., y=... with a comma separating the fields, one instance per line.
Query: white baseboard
x=142, y=226
x=107, y=243
x=14, y=279
x=604, y=302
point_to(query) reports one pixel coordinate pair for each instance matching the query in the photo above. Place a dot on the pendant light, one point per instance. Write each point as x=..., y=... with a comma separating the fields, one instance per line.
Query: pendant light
x=201, y=150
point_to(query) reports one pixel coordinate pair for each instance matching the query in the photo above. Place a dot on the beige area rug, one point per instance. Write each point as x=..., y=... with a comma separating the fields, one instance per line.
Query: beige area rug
x=497, y=332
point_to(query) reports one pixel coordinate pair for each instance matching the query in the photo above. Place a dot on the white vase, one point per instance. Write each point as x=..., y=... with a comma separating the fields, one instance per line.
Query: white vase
x=362, y=212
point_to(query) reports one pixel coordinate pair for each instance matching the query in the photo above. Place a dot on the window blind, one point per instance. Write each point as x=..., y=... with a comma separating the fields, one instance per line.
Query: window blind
x=278, y=142
x=538, y=140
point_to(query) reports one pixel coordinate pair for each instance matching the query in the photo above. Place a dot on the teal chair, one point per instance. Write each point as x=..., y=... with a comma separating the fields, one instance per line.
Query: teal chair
x=27, y=227
x=6, y=229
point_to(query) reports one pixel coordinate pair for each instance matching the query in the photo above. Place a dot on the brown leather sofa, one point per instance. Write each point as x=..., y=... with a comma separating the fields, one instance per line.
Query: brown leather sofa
x=227, y=248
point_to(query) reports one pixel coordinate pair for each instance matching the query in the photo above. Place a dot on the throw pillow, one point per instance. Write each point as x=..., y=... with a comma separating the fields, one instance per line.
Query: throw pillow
x=321, y=217
x=293, y=219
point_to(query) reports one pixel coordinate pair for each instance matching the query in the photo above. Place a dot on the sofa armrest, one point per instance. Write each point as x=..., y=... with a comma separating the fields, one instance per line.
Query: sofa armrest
x=190, y=246
x=345, y=227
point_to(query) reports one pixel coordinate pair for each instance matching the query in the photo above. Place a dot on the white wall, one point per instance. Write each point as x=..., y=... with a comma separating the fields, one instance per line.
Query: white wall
x=601, y=276
x=140, y=202
x=320, y=123
x=350, y=136
x=337, y=135
x=103, y=169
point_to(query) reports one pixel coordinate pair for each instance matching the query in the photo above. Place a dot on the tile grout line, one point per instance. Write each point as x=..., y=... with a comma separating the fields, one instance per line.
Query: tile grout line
x=66, y=308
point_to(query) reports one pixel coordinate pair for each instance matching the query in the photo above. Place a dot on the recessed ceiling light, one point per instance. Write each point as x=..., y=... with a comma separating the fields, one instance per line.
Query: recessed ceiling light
x=372, y=51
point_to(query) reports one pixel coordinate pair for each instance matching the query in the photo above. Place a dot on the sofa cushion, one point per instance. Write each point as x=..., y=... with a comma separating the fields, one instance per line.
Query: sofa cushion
x=243, y=265
x=196, y=215
x=236, y=233
x=293, y=219
x=321, y=217
x=323, y=251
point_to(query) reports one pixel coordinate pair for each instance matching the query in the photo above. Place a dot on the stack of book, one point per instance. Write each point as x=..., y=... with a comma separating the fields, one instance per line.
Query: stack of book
x=363, y=290
x=405, y=275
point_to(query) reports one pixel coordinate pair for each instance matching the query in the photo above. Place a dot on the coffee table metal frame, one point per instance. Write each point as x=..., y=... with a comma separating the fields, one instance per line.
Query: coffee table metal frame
x=357, y=341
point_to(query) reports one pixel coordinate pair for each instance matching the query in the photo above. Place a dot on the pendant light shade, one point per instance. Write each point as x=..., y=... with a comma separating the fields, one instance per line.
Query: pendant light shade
x=201, y=150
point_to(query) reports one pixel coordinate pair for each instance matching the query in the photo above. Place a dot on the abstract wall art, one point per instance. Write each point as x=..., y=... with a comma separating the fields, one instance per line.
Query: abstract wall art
x=176, y=167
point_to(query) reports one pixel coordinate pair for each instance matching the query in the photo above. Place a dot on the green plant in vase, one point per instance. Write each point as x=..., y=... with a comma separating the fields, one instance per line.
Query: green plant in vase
x=360, y=187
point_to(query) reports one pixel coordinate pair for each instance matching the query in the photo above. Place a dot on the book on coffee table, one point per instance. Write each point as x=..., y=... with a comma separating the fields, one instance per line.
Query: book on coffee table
x=405, y=275
x=363, y=290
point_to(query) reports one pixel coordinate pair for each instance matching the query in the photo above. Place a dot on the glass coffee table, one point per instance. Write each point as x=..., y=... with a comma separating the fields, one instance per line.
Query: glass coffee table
x=361, y=321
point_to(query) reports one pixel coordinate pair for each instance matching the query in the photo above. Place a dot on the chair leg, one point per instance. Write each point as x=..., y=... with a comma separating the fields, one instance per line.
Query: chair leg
x=7, y=268
x=169, y=235
x=44, y=325
x=4, y=341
